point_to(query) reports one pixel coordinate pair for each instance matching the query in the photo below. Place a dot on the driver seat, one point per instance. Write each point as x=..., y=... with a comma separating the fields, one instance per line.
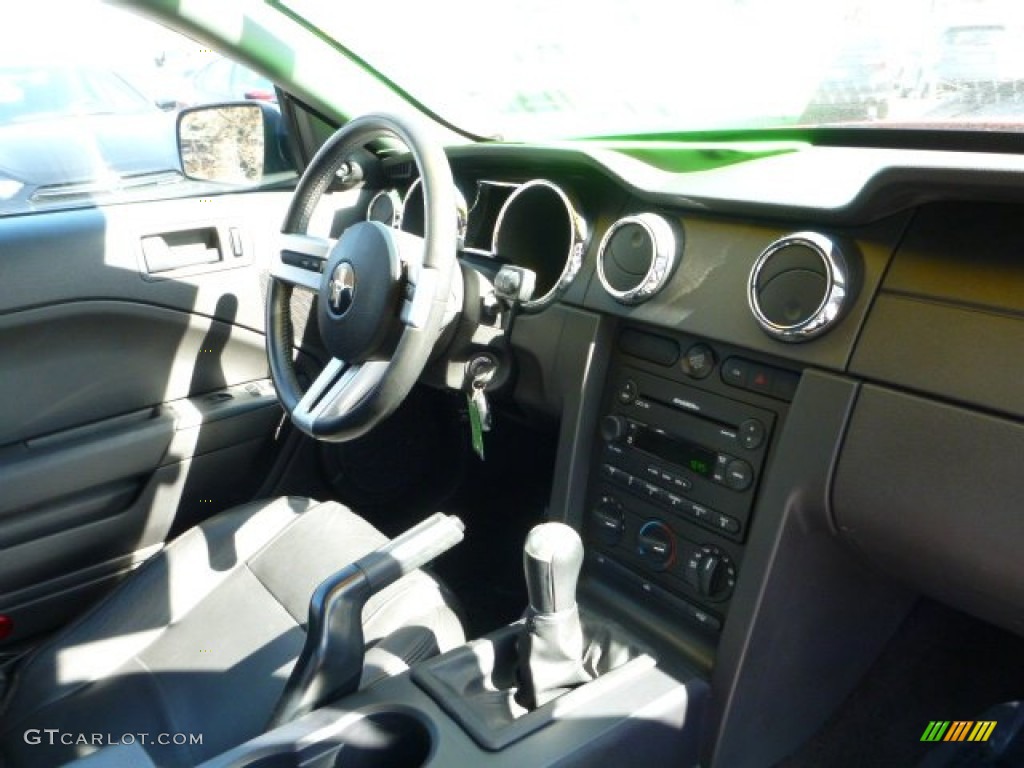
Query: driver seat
x=202, y=637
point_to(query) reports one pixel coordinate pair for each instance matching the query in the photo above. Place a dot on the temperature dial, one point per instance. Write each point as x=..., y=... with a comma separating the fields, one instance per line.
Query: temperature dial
x=656, y=545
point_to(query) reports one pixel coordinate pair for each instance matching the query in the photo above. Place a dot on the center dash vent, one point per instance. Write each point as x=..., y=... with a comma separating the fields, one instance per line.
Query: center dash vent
x=637, y=256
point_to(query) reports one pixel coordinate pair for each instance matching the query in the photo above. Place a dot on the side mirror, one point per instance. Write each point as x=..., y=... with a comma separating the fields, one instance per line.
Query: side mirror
x=237, y=143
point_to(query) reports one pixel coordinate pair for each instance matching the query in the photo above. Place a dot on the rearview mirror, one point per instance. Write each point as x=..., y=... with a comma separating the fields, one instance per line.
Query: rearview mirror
x=227, y=143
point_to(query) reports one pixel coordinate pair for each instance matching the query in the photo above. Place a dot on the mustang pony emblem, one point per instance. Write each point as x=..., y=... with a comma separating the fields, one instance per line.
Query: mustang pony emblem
x=342, y=288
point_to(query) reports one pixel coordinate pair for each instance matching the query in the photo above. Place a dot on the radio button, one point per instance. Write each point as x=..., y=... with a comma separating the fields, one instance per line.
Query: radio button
x=676, y=502
x=675, y=480
x=612, y=450
x=739, y=475
x=616, y=474
x=752, y=434
x=627, y=392
x=701, y=513
x=728, y=524
x=735, y=372
x=761, y=379
x=721, y=464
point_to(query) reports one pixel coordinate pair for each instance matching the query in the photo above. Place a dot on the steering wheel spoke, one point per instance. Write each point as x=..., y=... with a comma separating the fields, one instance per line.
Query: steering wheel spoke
x=419, y=298
x=420, y=281
x=299, y=260
x=339, y=388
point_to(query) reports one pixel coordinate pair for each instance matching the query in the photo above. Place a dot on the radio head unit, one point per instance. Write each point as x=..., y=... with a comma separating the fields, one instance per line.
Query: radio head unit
x=677, y=470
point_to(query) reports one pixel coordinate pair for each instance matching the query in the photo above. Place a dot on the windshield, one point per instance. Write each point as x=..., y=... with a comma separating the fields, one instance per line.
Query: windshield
x=533, y=69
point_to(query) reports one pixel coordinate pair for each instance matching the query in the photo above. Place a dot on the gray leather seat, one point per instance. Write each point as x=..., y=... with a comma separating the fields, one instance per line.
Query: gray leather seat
x=200, y=639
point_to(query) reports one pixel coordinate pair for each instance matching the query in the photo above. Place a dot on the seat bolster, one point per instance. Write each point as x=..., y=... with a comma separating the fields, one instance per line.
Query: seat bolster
x=326, y=537
x=212, y=625
x=159, y=592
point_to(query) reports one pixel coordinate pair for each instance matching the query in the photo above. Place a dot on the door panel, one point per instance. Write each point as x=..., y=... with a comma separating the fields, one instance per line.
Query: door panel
x=132, y=404
x=76, y=363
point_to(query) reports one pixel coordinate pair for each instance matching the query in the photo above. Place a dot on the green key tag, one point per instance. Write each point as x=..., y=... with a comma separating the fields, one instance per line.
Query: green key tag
x=476, y=431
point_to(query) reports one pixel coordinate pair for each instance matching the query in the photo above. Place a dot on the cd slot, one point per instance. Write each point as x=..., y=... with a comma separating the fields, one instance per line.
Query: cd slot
x=726, y=413
x=687, y=406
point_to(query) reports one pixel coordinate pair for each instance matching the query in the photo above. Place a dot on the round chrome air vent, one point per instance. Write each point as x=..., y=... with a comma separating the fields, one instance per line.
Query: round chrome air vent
x=637, y=256
x=798, y=286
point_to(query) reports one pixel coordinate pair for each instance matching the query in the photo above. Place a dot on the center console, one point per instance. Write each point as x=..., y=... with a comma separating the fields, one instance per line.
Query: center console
x=562, y=686
x=683, y=442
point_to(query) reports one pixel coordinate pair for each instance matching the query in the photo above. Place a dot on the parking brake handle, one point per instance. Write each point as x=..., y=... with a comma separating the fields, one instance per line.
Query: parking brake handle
x=331, y=662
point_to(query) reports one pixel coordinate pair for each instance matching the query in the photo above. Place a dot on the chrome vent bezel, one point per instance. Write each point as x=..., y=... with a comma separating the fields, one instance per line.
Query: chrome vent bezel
x=828, y=311
x=578, y=232
x=664, y=257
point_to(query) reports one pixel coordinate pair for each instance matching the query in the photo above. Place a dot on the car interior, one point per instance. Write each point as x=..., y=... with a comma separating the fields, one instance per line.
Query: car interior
x=421, y=448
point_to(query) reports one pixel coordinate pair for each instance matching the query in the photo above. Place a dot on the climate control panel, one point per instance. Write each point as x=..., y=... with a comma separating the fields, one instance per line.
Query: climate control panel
x=656, y=546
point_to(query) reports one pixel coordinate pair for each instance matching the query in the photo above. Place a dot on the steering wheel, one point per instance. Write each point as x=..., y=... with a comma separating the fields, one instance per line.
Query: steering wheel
x=382, y=292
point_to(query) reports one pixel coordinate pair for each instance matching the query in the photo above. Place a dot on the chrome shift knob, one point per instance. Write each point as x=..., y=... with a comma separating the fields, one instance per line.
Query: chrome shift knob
x=551, y=559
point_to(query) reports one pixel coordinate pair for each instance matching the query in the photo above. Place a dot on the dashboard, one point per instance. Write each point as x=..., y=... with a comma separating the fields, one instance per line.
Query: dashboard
x=787, y=390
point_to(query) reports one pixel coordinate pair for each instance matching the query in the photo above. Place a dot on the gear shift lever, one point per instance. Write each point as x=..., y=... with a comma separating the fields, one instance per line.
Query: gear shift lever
x=497, y=687
x=552, y=558
x=551, y=645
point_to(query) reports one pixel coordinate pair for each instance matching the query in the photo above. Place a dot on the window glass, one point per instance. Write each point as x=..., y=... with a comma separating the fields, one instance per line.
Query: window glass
x=537, y=69
x=214, y=79
x=84, y=122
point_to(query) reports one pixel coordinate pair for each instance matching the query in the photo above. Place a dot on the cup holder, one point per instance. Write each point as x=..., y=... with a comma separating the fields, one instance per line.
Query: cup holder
x=394, y=739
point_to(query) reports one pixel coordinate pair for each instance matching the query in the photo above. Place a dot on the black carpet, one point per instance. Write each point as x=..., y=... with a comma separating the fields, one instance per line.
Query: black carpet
x=500, y=500
x=420, y=461
x=941, y=665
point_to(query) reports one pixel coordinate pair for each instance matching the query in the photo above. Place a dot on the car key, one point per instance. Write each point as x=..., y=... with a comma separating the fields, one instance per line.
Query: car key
x=481, y=370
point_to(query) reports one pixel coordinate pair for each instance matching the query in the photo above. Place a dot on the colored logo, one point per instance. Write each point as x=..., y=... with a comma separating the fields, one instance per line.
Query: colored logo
x=958, y=730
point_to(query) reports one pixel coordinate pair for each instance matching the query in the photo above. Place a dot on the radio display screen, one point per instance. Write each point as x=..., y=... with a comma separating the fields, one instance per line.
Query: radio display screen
x=699, y=460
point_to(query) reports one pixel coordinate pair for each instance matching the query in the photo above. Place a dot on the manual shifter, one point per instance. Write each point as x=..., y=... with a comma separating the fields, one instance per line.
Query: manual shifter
x=497, y=687
x=551, y=645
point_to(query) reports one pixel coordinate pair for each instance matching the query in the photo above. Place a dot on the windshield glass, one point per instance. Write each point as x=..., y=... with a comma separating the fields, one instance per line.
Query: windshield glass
x=543, y=69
